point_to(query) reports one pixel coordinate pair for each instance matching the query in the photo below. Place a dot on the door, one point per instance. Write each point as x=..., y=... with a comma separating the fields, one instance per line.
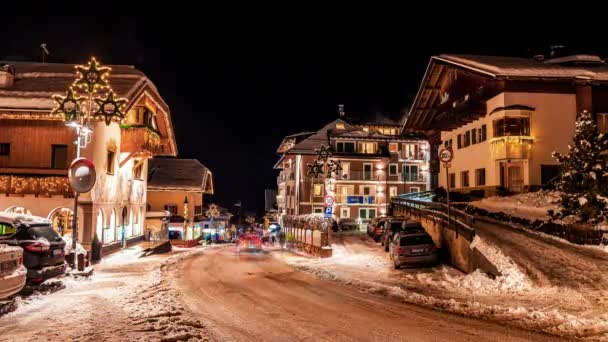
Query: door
x=515, y=179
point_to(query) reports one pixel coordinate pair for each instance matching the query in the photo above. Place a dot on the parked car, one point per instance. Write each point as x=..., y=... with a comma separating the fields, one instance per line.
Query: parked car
x=12, y=271
x=347, y=223
x=412, y=248
x=376, y=227
x=43, y=248
x=398, y=224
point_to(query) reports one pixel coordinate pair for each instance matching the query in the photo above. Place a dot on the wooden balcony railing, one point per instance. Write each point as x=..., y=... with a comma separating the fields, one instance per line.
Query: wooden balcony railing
x=139, y=138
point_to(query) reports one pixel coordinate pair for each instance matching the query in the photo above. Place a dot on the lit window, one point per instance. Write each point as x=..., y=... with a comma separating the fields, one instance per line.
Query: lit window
x=393, y=147
x=339, y=126
x=512, y=127
x=392, y=191
x=318, y=190
x=368, y=148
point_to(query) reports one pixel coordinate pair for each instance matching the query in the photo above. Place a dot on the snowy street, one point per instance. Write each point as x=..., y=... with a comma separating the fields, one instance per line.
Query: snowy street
x=258, y=297
x=126, y=299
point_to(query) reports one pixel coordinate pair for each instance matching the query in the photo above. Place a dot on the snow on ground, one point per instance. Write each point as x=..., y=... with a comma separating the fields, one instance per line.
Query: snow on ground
x=510, y=298
x=530, y=205
x=127, y=298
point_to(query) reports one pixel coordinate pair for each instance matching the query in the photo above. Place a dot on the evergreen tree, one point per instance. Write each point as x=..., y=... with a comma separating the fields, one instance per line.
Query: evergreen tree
x=583, y=181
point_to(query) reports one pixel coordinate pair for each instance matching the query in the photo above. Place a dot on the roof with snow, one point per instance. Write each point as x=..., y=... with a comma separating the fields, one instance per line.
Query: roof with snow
x=576, y=66
x=170, y=174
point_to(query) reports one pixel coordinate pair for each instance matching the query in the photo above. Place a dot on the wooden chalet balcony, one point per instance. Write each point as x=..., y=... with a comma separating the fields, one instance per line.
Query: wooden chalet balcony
x=38, y=185
x=139, y=138
x=363, y=176
x=511, y=147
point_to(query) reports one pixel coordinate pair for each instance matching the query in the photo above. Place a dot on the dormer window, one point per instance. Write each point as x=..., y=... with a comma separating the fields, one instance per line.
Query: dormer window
x=339, y=126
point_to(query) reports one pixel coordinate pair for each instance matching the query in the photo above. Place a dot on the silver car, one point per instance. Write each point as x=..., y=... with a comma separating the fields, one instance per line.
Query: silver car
x=413, y=248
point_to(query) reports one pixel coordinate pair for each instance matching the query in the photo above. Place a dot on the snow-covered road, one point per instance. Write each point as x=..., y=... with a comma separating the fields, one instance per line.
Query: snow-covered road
x=127, y=299
x=260, y=298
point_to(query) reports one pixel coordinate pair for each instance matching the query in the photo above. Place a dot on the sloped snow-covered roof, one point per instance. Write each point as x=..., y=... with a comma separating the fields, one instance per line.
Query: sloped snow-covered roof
x=179, y=174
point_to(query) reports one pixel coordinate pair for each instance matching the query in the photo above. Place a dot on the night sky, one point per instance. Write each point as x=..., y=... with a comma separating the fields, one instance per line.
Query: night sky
x=234, y=94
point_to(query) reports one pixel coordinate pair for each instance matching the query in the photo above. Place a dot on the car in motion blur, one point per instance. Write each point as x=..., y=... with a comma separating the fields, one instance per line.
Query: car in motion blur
x=43, y=248
x=249, y=242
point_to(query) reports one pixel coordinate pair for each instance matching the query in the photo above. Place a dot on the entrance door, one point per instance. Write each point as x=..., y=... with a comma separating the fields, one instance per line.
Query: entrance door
x=515, y=179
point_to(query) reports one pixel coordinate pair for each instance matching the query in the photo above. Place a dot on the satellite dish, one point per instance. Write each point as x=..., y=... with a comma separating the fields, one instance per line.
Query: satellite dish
x=81, y=175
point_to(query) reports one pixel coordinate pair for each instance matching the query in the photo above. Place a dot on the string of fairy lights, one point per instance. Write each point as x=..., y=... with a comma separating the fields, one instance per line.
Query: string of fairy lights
x=90, y=97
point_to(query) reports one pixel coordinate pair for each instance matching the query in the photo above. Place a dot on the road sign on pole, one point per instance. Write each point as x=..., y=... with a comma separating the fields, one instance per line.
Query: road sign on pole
x=446, y=155
x=329, y=212
x=329, y=200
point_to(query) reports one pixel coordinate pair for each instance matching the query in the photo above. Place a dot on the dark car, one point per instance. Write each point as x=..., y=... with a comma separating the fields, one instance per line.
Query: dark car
x=398, y=224
x=376, y=227
x=409, y=248
x=43, y=248
x=347, y=223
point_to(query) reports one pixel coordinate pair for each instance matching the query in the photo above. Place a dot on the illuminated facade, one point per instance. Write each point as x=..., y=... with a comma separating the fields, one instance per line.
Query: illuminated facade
x=378, y=161
x=504, y=116
x=36, y=148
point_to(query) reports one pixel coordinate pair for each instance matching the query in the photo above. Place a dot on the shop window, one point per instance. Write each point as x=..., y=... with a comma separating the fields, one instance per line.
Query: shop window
x=480, y=177
x=5, y=149
x=59, y=157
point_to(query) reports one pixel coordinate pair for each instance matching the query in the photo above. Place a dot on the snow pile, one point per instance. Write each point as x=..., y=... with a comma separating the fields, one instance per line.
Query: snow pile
x=68, y=245
x=530, y=205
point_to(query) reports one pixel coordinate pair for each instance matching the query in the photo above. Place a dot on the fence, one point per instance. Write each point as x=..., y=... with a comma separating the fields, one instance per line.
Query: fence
x=309, y=233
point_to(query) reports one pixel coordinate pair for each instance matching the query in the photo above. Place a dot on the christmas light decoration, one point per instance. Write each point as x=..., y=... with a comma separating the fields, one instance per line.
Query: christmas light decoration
x=315, y=169
x=334, y=167
x=323, y=153
x=68, y=105
x=92, y=77
x=110, y=108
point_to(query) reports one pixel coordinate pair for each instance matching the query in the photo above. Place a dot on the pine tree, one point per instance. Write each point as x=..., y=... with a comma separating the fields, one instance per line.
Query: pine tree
x=584, y=174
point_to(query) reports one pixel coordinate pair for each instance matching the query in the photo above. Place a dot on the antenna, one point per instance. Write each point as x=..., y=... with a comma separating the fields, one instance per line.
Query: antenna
x=45, y=51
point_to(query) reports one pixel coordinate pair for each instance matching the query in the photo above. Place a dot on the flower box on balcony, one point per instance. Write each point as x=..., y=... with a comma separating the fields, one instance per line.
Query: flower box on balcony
x=139, y=138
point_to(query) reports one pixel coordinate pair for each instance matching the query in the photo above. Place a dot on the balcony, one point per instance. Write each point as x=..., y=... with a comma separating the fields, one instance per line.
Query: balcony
x=45, y=186
x=413, y=177
x=363, y=176
x=356, y=199
x=511, y=147
x=139, y=138
x=420, y=156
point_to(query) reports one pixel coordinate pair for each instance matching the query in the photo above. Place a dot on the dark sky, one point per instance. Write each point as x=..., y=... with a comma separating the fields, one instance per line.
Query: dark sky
x=235, y=93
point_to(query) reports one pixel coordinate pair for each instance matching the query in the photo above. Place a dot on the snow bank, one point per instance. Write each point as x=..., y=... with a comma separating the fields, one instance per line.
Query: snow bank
x=68, y=245
x=530, y=205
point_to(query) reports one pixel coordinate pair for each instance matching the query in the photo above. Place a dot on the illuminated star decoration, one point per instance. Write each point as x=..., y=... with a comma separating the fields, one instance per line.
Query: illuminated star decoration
x=334, y=166
x=92, y=76
x=315, y=169
x=323, y=153
x=68, y=105
x=110, y=108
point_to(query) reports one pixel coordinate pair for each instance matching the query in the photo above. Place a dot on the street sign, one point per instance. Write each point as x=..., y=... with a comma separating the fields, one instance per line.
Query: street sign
x=447, y=165
x=446, y=155
x=329, y=212
x=329, y=200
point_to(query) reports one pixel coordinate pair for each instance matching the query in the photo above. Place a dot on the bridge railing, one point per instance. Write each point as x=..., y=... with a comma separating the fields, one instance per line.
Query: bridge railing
x=457, y=220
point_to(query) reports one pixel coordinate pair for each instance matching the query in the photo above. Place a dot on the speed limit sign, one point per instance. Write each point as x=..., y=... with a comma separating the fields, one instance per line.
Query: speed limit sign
x=446, y=155
x=329, y=201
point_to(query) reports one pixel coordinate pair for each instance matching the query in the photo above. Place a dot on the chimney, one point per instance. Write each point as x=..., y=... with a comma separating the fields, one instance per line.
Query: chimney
x=7, y=76
x=341, y=110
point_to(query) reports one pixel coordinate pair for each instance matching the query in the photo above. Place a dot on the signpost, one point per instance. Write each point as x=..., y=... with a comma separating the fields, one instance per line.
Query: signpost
x=446, y=155
x=329, y=200
x=329, y=212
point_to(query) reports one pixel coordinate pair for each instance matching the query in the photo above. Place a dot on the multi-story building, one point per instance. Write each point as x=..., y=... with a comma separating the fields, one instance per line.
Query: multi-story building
x=36, y=148
x=178, y=186
x=378, y=160
x=504, y=116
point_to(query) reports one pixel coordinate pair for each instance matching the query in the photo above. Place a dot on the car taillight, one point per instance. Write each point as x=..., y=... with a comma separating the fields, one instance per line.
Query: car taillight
x=37, y=247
